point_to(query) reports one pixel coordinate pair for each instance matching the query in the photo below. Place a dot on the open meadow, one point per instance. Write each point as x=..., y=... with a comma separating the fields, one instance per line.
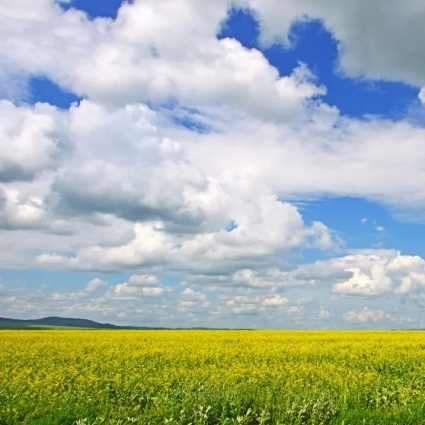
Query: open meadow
x=212, y=377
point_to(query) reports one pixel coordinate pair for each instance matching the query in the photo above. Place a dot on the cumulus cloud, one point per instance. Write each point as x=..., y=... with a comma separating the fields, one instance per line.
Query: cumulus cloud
x=187, y=151
x=167, y=203
x=275, y=301
x=378, y=40
x=365, y=315
x=140, y=286
x=295, y=311
x=30, y=141
x=240, y=305
x=324, y=314
x=192, y=301
x=143, y=280
x=381, y=272
x=273, y=277
x=95, y=284
x=92, y=290
x=422, y=95
x=343, y=156
x=265, y=226
x=18, y=212
x=363, y=273
x=150, y=53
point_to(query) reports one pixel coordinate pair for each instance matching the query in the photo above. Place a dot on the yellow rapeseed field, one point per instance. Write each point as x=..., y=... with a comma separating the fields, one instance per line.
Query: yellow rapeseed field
x=211, y=377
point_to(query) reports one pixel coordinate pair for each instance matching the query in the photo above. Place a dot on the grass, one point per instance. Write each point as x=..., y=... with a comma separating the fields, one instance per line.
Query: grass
x=4, y=325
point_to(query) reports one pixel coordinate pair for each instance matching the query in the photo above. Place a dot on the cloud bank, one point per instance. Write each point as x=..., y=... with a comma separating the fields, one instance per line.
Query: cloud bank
x=188, y=156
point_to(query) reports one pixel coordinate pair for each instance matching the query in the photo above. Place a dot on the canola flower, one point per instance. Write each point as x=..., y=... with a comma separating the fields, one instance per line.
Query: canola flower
x=211, y=377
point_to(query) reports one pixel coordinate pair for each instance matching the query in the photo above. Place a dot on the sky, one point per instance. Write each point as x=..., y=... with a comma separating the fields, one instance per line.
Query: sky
x=233, y=163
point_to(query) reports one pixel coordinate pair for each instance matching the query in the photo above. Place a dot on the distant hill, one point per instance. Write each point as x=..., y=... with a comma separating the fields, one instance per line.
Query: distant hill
x=72, y=323
x=59, y=322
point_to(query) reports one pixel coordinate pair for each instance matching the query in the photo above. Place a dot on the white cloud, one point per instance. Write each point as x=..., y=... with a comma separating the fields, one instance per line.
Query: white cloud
x=152, y=51
x=379, y=40
x=379, y=272
x=126, y=289
x=140, y=286
x=266, y=226
x=16, y=212
x=175, y=191
x=364, y=284
x=364, y=273
x=324, y=314
x=190, y=293
x=112, y=184
x=191, y=301
x=162, y=200
x=364, y=220
x=159, y=306
x=143, y=280
x=273, y=277
x=365, y=315
x=275, y=301
x=343, y=156
x=92, y=290
x=421, y=95
x=95, y=284
x=295, y=311
x=29, y=140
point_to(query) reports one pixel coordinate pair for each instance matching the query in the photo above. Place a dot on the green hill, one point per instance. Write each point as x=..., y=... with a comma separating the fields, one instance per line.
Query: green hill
x=73, y=323
x=58, y=322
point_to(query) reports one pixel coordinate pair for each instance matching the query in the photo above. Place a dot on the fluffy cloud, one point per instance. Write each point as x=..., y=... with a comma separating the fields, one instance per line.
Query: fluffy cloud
x=166, y=198
x=30, y=141
x=149, y=184
x=380, y=272
x=275, y=301
x=148, y=53
x=379, y=40
x=422, y=95
x=95, y=284
x=295, y=311
x=199, y=184
x=200, y=253
x=274, y=277
x=192, y=301
x=92, y=290
x=327, y=155
x=140, y=286
x=324, y=314
x=240, y=305
x=18, y=212
x=145, y=301
x=365, y=315
x=180, y=213
x=143, y=280
x=364, y=273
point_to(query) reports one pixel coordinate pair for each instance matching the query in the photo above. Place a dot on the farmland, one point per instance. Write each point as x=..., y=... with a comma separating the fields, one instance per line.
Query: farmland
x=211, y=377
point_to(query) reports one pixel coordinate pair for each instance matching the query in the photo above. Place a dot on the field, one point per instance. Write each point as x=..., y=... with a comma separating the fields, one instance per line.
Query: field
x=211, y=377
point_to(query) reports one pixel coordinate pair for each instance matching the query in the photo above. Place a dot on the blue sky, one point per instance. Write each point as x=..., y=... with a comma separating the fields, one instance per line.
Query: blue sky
x=134, y=133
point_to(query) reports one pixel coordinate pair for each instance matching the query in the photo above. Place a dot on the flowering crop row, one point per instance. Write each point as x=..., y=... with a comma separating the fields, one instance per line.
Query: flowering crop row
x=211, y=377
